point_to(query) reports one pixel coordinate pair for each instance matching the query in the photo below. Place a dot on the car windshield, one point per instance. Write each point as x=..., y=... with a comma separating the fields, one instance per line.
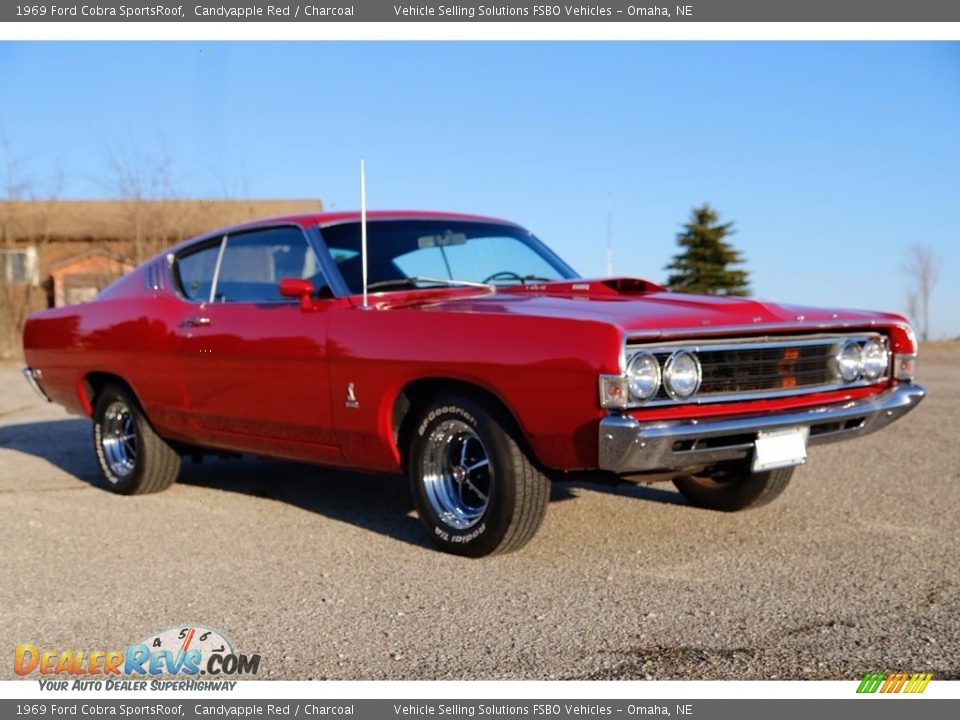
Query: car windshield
x=409, y=254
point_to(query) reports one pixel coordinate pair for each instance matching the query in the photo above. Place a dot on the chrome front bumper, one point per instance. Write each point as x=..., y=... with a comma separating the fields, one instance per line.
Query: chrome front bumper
x=630, y=446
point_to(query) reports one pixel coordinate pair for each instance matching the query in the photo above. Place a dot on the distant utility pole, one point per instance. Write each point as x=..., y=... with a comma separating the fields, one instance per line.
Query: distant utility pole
x=609, y=237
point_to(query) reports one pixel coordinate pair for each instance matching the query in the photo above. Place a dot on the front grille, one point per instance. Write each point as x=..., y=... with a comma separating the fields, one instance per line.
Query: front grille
x=734, y=371
x=760, y=367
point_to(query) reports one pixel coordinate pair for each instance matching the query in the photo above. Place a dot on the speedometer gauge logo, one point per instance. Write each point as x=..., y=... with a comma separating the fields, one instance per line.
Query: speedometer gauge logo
x=201, y=642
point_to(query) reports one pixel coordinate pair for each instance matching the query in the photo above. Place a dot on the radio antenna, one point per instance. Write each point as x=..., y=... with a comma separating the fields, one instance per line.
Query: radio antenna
x=363, y=229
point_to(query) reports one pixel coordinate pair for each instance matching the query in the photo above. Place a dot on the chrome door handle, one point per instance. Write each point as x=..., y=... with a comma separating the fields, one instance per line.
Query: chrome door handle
x=195, y=322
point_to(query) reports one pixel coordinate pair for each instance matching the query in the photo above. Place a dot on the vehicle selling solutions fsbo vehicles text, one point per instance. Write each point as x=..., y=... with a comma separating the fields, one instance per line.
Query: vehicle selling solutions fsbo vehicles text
x=539, y=11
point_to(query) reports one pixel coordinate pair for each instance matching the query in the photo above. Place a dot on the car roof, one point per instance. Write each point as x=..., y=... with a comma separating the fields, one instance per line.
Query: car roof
x=325, y=219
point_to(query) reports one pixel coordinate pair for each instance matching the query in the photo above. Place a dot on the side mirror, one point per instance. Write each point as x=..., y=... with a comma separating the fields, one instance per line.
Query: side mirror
x=297, y=288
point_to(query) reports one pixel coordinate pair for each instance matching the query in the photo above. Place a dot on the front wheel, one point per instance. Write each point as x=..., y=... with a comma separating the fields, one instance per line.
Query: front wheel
x=734, y=488
x=132, y=457
x=477, y=492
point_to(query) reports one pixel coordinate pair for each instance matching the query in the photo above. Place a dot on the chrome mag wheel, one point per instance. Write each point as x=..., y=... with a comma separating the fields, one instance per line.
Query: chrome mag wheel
x=118, y=438
x=457, y=475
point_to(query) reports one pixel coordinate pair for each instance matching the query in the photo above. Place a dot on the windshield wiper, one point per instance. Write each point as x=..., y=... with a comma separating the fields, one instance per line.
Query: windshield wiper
x=413, y=281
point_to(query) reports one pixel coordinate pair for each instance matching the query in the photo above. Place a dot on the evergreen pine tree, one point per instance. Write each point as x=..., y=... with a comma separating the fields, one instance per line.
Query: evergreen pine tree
x=703, y=266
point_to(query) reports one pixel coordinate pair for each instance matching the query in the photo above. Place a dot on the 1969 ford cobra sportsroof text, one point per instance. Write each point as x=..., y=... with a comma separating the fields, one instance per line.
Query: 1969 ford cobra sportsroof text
x=482, y=366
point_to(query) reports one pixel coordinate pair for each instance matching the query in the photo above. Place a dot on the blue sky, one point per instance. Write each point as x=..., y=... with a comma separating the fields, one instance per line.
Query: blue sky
x=831, y=158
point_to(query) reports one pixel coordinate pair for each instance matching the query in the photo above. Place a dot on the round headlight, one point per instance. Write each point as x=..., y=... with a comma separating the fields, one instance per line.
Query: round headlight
x=875, y=359
x=850, y=362
x=643, y=374
x=681, y=375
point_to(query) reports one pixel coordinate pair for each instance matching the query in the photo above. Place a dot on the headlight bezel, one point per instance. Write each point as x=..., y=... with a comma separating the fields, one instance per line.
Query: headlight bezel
x=880, y=366
x=670, y=364
x=652, y=361
x=849, y=368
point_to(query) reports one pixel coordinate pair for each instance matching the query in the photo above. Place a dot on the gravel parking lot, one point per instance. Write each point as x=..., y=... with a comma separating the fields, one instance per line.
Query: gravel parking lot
x=327, y=574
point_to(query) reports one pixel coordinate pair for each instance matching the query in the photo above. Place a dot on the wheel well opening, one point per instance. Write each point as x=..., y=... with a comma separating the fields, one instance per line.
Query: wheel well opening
x=95, y=382
x=418, y=393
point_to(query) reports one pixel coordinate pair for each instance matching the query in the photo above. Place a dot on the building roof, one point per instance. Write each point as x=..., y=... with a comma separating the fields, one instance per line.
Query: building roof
x=91, y=255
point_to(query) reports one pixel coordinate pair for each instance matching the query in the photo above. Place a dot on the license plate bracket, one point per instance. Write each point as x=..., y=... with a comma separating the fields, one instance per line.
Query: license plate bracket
x=780, y=448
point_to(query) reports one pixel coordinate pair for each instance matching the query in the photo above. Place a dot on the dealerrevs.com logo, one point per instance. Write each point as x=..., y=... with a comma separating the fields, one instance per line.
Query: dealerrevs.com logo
x=188, y=651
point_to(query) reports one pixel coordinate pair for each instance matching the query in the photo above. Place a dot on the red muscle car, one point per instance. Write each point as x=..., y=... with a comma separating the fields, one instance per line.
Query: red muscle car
x=462, y=351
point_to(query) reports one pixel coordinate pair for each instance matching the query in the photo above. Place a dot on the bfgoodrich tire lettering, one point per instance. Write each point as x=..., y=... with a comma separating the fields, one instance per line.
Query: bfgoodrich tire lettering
x=476, y=490
x=134, y=460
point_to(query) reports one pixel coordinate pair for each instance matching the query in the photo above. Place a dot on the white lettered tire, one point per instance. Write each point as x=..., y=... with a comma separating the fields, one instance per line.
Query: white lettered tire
x=476, y=489
x=134, y=460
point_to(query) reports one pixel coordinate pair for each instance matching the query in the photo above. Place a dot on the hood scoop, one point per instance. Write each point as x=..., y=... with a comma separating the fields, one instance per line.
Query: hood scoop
x=620, y=288
x=632, y=286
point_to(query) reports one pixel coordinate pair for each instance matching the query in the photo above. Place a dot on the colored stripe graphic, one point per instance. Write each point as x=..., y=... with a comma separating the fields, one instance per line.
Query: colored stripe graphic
x=894, y=683
x=871, y=682
x=918, y=683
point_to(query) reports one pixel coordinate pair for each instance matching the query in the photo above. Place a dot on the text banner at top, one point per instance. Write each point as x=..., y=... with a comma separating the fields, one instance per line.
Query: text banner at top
x=739, y=11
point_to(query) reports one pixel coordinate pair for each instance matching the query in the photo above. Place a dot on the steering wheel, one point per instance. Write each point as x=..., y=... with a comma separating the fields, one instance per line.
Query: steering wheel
x=504, y=275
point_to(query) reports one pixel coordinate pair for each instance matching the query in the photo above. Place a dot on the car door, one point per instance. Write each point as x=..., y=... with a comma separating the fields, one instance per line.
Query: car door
x=254, y=362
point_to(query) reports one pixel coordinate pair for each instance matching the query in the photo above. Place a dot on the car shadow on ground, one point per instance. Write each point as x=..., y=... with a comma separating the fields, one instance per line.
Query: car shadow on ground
x=63, y=443
x=377, y=502
x=661, y=492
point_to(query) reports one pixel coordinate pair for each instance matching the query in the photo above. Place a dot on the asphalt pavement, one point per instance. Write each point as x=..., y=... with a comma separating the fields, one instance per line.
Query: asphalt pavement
x=328, y=575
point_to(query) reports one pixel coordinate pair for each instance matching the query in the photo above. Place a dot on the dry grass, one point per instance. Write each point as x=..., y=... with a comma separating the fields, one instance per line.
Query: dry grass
x=941, y=351
x=114, y=219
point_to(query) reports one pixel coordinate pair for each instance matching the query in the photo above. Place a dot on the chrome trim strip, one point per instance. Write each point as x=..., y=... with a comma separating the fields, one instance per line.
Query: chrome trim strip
x=418, y=218
x=753, y=343
x=33, y=378
x=748, y=396
x=627, y=445
x=795, y=326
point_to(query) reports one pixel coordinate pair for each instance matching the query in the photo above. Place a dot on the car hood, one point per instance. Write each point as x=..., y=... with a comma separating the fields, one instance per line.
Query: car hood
x=640, y=308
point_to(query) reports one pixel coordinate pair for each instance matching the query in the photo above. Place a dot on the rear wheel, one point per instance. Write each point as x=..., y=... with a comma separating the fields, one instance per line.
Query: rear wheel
x=476, y=490
x=734, y=488
x=133, y=459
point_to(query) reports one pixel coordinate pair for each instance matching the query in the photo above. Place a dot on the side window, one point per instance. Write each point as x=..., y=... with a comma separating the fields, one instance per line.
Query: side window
x=255, y=262
x=195, y=272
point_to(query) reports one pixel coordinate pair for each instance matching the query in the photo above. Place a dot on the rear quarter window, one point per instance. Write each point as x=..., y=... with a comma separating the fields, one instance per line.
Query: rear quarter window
x=195, y=272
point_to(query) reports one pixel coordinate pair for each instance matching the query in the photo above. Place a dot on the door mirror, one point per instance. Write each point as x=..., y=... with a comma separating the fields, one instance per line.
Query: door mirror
x=297, y=288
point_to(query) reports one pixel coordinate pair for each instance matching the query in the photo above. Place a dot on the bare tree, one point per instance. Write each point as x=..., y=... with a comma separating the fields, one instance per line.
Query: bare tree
x=913, y=307
x=27, y=215
x=16, y=186
x=142, y=177
x=923, y=268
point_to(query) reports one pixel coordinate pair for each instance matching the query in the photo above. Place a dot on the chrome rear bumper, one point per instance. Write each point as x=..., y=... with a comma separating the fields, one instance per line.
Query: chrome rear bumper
x=33, y=377
x=630, y=446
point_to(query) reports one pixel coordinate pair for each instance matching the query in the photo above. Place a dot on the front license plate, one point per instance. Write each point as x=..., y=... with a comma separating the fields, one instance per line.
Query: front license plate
x=780, y=448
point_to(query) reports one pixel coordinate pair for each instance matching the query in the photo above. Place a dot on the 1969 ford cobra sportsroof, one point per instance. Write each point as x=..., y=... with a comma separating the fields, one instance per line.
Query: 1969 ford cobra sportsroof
x=480, y=365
